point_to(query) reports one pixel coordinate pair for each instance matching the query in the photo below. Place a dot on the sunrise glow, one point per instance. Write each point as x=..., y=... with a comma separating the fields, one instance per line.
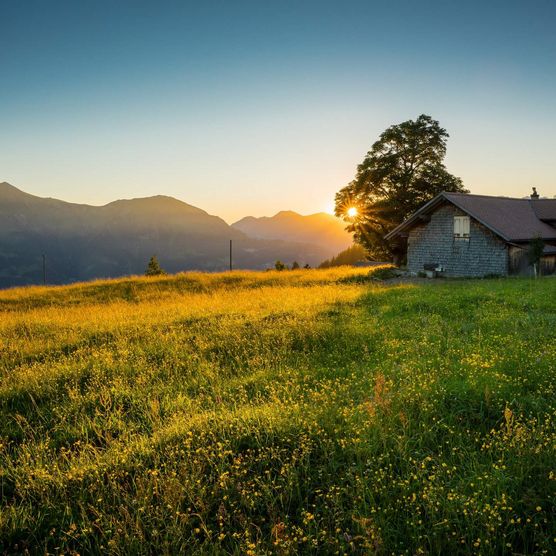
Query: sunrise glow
x=329, y=208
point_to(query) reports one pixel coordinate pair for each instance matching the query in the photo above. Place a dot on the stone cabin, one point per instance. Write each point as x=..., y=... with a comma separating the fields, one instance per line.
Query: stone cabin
x=463, y=235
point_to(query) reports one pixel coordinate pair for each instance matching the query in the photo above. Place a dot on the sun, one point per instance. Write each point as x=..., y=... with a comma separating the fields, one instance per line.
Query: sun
x=352, y=212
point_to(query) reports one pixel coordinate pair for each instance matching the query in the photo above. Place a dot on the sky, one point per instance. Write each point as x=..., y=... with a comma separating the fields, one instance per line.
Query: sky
x=249, y=108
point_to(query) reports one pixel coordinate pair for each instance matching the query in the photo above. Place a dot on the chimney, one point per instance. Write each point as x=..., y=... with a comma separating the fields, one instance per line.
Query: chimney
x=534, y=195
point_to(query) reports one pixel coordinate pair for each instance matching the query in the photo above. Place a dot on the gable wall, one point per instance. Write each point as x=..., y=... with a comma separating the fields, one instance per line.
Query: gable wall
x=433, y=243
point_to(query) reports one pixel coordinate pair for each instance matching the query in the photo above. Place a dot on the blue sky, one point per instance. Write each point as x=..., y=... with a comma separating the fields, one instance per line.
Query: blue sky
x=254, y=107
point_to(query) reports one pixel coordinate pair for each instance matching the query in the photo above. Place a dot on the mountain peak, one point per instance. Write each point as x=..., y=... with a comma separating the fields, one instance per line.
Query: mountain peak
x=287, y=225
x=155, y=203
x=5, y=186
x=287, y=213
x=9, y=191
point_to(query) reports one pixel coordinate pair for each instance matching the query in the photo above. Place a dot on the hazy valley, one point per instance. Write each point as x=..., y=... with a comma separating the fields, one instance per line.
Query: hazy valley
x=83, y=242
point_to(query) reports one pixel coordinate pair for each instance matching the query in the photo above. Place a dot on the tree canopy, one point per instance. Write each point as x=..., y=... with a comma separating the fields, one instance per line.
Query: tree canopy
x=403, y=170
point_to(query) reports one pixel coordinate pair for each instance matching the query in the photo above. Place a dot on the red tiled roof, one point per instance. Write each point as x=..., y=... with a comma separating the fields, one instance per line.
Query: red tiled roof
x=514, y=220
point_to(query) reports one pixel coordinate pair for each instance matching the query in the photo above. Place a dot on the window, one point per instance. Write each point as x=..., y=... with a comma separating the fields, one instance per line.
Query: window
x=461, y=227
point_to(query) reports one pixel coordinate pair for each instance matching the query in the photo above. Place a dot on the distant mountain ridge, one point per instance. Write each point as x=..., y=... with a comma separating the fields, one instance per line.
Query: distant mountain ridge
x=83, y=242
x=320, y=229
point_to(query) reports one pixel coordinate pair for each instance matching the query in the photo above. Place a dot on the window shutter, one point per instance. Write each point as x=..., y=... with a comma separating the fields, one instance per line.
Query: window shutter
x=466, y=225
x=457, y=226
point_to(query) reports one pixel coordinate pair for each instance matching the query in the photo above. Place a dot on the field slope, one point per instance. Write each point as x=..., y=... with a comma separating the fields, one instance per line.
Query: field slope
x=295, y=412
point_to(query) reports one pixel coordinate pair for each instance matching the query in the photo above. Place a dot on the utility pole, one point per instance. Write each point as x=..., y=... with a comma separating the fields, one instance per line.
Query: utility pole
x=230, y=255
x=44, y=269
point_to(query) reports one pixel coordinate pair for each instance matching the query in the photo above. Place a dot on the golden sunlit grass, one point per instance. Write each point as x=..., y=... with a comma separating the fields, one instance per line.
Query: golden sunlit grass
x=279, y=412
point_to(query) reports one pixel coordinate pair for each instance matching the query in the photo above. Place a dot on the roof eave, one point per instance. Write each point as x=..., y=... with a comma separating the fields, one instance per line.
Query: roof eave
x=528, y=239
x=414, y=217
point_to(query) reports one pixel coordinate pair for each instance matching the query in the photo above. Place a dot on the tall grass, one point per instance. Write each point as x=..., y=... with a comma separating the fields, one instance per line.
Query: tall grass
x=293, y=412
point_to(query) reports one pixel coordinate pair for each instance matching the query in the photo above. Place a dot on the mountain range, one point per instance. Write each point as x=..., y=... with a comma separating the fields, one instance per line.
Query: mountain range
x=320, y=229
x=83, y=242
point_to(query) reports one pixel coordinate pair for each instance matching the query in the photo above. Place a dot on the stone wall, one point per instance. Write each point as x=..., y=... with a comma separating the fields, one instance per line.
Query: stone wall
x=433, y=243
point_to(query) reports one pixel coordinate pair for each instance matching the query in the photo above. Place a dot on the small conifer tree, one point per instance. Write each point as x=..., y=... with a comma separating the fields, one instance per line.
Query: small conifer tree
x=154, y=268
x=295, y=265
x=279, y=265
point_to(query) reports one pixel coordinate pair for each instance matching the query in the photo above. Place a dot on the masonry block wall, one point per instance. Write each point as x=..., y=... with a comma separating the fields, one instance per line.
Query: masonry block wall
x=433, y=243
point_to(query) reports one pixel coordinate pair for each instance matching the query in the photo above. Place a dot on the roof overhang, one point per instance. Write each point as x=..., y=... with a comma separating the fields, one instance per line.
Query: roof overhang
x=417, y=217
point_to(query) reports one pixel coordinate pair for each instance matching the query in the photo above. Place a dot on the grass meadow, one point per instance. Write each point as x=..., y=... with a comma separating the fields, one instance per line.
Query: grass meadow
x=302, y=412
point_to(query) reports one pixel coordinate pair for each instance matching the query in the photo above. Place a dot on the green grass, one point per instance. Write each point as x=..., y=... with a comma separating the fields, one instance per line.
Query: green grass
x=295, y=412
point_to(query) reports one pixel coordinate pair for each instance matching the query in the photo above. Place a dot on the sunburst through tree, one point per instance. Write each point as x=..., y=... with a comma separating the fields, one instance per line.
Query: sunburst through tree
x=403, y=170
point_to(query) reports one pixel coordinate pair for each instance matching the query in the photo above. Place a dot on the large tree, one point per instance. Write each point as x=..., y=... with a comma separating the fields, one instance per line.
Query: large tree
x=403, y=170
